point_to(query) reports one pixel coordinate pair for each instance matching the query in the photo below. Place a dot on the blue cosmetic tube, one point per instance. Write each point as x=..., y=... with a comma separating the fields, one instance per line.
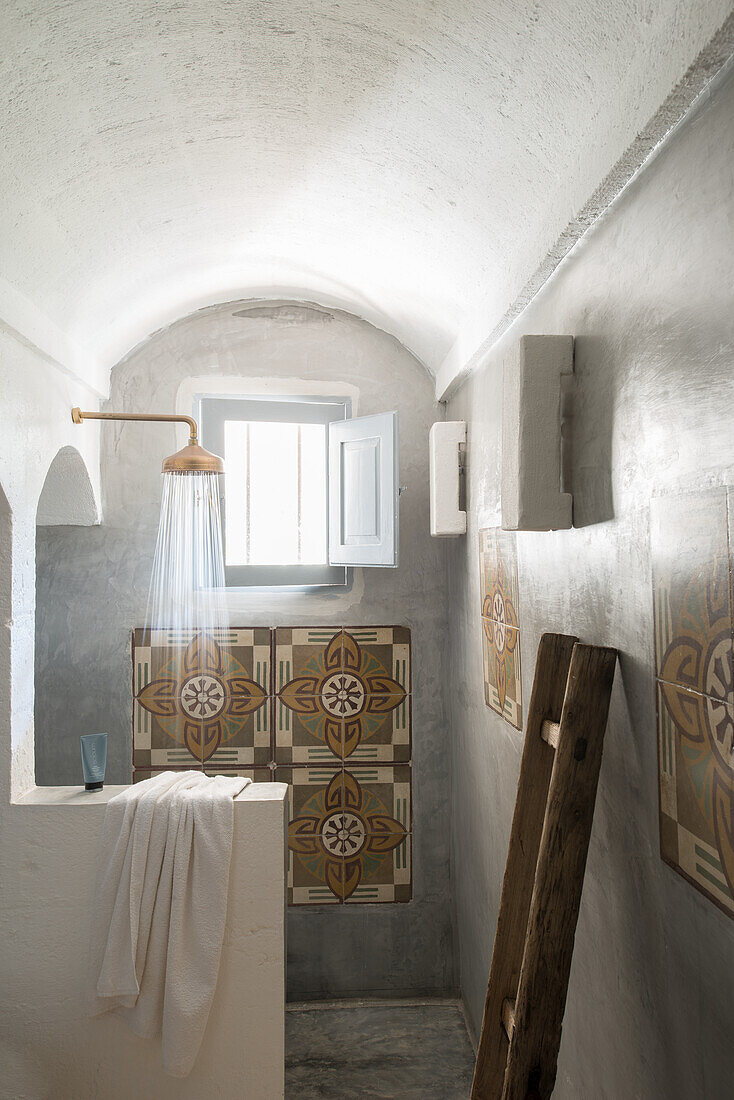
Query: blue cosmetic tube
x=94, y=760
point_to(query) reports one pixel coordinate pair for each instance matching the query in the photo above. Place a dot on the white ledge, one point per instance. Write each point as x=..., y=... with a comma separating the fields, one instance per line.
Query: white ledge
x=78, y=796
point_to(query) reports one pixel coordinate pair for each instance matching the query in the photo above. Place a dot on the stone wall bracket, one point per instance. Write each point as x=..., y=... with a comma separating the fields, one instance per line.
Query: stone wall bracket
x=532, y=499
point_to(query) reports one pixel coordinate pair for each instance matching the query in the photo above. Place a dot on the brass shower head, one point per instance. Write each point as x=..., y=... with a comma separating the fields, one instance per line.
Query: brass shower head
x=191, y=459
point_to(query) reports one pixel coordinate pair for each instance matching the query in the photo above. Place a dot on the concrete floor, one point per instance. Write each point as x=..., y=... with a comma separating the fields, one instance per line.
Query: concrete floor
x=362, y=1051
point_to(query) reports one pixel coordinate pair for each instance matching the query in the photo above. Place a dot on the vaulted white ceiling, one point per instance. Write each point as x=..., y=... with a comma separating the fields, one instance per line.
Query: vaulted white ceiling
x=410, y=160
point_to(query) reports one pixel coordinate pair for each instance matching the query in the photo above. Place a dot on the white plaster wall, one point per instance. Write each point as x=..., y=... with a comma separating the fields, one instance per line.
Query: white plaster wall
x=648, y=296
x=50, y=1049
x=411, y=162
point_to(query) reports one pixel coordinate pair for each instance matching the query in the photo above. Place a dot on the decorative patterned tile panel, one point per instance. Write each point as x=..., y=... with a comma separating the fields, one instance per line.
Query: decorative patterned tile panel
x=692, y=593
x=380, y=733
x=165, y=740
x=198, y=696
x=377, y=807
x=306, y=658
x=330, y=715
x=500, y=624
x=380, y=657
x=502, y=676
x=306, y=732
x=348, y=833
x=348, y=699
x=498, y=575
x=315, y=862
x=692, y=607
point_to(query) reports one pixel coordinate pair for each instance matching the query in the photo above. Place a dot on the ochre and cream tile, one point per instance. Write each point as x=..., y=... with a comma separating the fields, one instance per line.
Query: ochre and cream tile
x=377, y=807
x=348, y=699
x=502, y=671
x=692, y=611
x=315, y=865
x=200, y=698
x=306, y=658
x=498, y=574
x=499, y=596
x=691, y=592
x=696, y=777
x=326, y=710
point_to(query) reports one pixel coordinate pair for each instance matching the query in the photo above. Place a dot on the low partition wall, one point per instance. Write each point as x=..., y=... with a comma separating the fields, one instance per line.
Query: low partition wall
x=50, y=1048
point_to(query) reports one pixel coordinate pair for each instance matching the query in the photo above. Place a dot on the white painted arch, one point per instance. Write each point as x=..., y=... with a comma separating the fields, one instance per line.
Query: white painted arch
x=67, y=496
x=410, y=163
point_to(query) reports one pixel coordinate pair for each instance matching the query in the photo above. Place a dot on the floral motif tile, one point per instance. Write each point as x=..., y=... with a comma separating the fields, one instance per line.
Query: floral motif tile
x=201, y=697
x=500, y=624
x=498, y=575
x=695, y=709
x=306, y=657
x=692, y=596
x=305, y=731
x=315, y=864
x=696, y=765
x=502, y=677
x=380, y=656
x=349, y=699
x=380, y=733
x=377, y=808
x=348, y=834
x=330, y=715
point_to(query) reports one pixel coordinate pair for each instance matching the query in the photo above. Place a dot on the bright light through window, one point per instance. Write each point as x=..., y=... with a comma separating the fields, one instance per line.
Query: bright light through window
x=275, y=493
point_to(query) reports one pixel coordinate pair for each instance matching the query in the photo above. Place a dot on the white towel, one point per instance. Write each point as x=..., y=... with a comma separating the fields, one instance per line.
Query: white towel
x=160, y=908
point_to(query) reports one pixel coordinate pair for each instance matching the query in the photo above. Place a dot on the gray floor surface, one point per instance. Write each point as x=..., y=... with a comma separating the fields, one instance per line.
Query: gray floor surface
x=359, y=1051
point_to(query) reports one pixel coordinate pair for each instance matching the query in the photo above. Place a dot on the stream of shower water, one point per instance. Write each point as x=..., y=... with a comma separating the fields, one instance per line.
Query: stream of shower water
x=186, y=597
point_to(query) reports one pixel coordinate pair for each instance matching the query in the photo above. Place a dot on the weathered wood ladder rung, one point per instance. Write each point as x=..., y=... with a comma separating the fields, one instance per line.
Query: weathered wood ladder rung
x=550, y=732
x=541, y=890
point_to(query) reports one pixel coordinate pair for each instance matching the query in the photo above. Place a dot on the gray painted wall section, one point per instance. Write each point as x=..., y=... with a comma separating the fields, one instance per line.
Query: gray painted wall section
x=648, y=295
x=93, y=584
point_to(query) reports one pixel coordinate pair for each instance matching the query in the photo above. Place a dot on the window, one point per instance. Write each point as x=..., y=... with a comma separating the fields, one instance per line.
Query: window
x=276, y=489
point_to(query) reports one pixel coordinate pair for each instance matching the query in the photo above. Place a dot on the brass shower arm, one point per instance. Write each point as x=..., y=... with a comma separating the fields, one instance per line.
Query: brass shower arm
x=160, y=418
x=191, y=459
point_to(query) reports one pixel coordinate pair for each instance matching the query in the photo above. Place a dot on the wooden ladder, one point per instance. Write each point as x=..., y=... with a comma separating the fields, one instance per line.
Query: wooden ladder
x=544, y=874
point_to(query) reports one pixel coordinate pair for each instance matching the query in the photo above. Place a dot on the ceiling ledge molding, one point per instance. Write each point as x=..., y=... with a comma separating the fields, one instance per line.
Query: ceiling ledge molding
x=27, y=323
x=712, y=65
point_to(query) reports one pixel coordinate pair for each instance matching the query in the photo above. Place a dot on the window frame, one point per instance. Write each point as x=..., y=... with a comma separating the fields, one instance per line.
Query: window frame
x=213, y=410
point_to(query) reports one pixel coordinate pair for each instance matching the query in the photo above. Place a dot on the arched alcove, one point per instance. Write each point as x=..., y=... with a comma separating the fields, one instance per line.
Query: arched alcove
x=67, y=516
x=67, y=496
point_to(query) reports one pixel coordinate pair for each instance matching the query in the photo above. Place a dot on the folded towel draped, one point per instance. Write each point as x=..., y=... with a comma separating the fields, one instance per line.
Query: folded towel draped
x=161, y=904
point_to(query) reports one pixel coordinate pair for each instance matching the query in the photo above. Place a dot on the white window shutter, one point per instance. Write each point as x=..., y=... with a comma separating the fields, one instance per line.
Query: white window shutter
x=363, y=491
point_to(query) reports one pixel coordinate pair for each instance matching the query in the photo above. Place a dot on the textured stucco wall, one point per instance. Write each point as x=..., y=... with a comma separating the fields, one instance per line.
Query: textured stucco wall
x=93, y=583
x=648, y=296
